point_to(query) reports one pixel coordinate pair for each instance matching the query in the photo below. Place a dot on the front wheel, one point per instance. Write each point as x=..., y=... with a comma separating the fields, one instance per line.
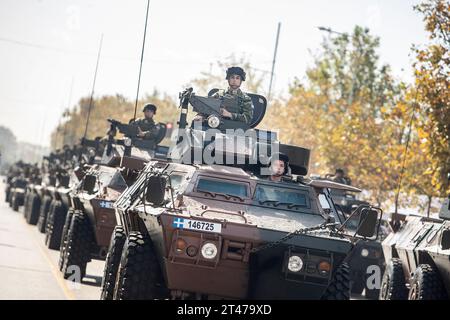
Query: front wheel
x=79, y=244
x=339, y=288
x=140, y=276
x=112, y=263
x=426, y=284
x=55, y=225
x=393, y=286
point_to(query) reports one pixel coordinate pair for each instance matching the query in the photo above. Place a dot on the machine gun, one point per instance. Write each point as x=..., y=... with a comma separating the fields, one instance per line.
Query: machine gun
x=209, y=107
x=129, y=130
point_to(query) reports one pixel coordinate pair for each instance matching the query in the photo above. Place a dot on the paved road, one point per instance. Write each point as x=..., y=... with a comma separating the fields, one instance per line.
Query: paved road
x=29, y=270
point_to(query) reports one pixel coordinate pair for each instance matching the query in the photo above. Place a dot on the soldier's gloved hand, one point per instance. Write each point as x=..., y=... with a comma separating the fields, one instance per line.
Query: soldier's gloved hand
x=198, y=117
x=224, y=112
x=140, y=133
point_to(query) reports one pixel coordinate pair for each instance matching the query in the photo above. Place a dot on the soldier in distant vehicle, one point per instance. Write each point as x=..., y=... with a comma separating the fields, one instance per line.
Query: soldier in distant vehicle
x=147, y=128
x=340, y=178
x=237, y=105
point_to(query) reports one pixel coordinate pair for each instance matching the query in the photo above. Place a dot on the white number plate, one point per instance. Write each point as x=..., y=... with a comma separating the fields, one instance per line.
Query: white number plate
x=190, y=224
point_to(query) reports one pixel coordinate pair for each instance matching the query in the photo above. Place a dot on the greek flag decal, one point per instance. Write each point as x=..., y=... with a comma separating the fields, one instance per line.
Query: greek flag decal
x=178, y=223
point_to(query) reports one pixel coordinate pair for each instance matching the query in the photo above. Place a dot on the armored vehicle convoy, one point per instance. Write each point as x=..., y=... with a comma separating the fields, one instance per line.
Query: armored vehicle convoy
x=205, y=231
x=418, y=258
x=91, y=219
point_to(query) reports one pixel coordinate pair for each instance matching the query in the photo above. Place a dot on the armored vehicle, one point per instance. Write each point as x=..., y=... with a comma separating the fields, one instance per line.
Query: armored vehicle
x=205, y=231
x=17, y=192
x=367, y=253
x=91, y=219
x=72, y=167
x=17, y=179
x=418, y=257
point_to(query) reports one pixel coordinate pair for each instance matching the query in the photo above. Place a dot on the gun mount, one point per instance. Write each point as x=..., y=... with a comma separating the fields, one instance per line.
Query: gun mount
x=228, y=141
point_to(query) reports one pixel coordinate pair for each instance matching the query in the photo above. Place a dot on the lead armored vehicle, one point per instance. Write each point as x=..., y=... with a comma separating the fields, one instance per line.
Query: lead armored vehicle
x=206, y=231
x=418, y=257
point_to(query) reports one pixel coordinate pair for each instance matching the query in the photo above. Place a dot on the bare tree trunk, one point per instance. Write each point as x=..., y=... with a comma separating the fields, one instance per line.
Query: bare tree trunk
x=429, y=205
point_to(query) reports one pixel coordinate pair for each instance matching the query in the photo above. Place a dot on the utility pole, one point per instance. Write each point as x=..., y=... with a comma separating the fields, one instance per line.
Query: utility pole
x=273, y=61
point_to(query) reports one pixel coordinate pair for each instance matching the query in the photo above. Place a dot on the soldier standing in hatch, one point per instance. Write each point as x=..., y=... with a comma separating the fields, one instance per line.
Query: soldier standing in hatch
x=239, y=107
x=147, y=129
x=279, y=167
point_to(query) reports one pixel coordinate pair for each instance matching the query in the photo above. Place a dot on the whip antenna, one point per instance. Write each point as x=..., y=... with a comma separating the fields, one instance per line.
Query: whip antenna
x=93, y=87
x=142, y=58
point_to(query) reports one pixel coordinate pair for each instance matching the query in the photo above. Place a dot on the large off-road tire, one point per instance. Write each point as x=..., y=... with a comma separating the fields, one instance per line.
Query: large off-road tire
x=64, y=235
x=34, y=206
x=426, y=284
x=26, y=205
x=393, y=285
x=139, y=276
x=45, y=208
x=79, y=245
x=339, y=288
x=55, y=225
x=7, y=192
x=15, y=203
x=112, y=262
x=10, y=198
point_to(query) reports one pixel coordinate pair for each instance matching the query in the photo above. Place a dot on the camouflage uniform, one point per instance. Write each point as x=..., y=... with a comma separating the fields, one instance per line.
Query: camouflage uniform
x=148, y=126
x=237, y=103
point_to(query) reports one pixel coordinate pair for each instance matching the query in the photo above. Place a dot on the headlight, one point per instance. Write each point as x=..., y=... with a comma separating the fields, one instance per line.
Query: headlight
x=364, y=252
x=295, y=264
x=209, y=250
x=213, y=121
x=127, y=142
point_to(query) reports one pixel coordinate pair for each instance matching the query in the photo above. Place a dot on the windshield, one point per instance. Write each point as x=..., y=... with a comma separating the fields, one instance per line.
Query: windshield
x=291, y=198
x=176, y=178
x=222, y=187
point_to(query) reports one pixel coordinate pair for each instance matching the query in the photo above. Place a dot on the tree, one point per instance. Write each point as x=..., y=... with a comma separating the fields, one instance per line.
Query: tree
x=351, y=113
x=432, y=83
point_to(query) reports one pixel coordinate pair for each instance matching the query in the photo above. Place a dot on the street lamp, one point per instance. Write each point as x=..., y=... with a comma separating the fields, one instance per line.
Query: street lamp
x=329, y=30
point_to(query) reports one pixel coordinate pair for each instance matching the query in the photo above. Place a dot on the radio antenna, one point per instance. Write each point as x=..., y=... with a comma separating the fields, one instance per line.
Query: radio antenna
x=93, y=87
x=142, y=59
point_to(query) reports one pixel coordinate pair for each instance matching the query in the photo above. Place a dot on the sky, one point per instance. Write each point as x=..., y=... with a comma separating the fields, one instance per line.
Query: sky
x=48, y=48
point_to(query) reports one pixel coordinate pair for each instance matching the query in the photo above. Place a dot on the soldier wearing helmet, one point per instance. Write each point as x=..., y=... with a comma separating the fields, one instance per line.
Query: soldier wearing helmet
x=238, y=105
x=147, y=129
